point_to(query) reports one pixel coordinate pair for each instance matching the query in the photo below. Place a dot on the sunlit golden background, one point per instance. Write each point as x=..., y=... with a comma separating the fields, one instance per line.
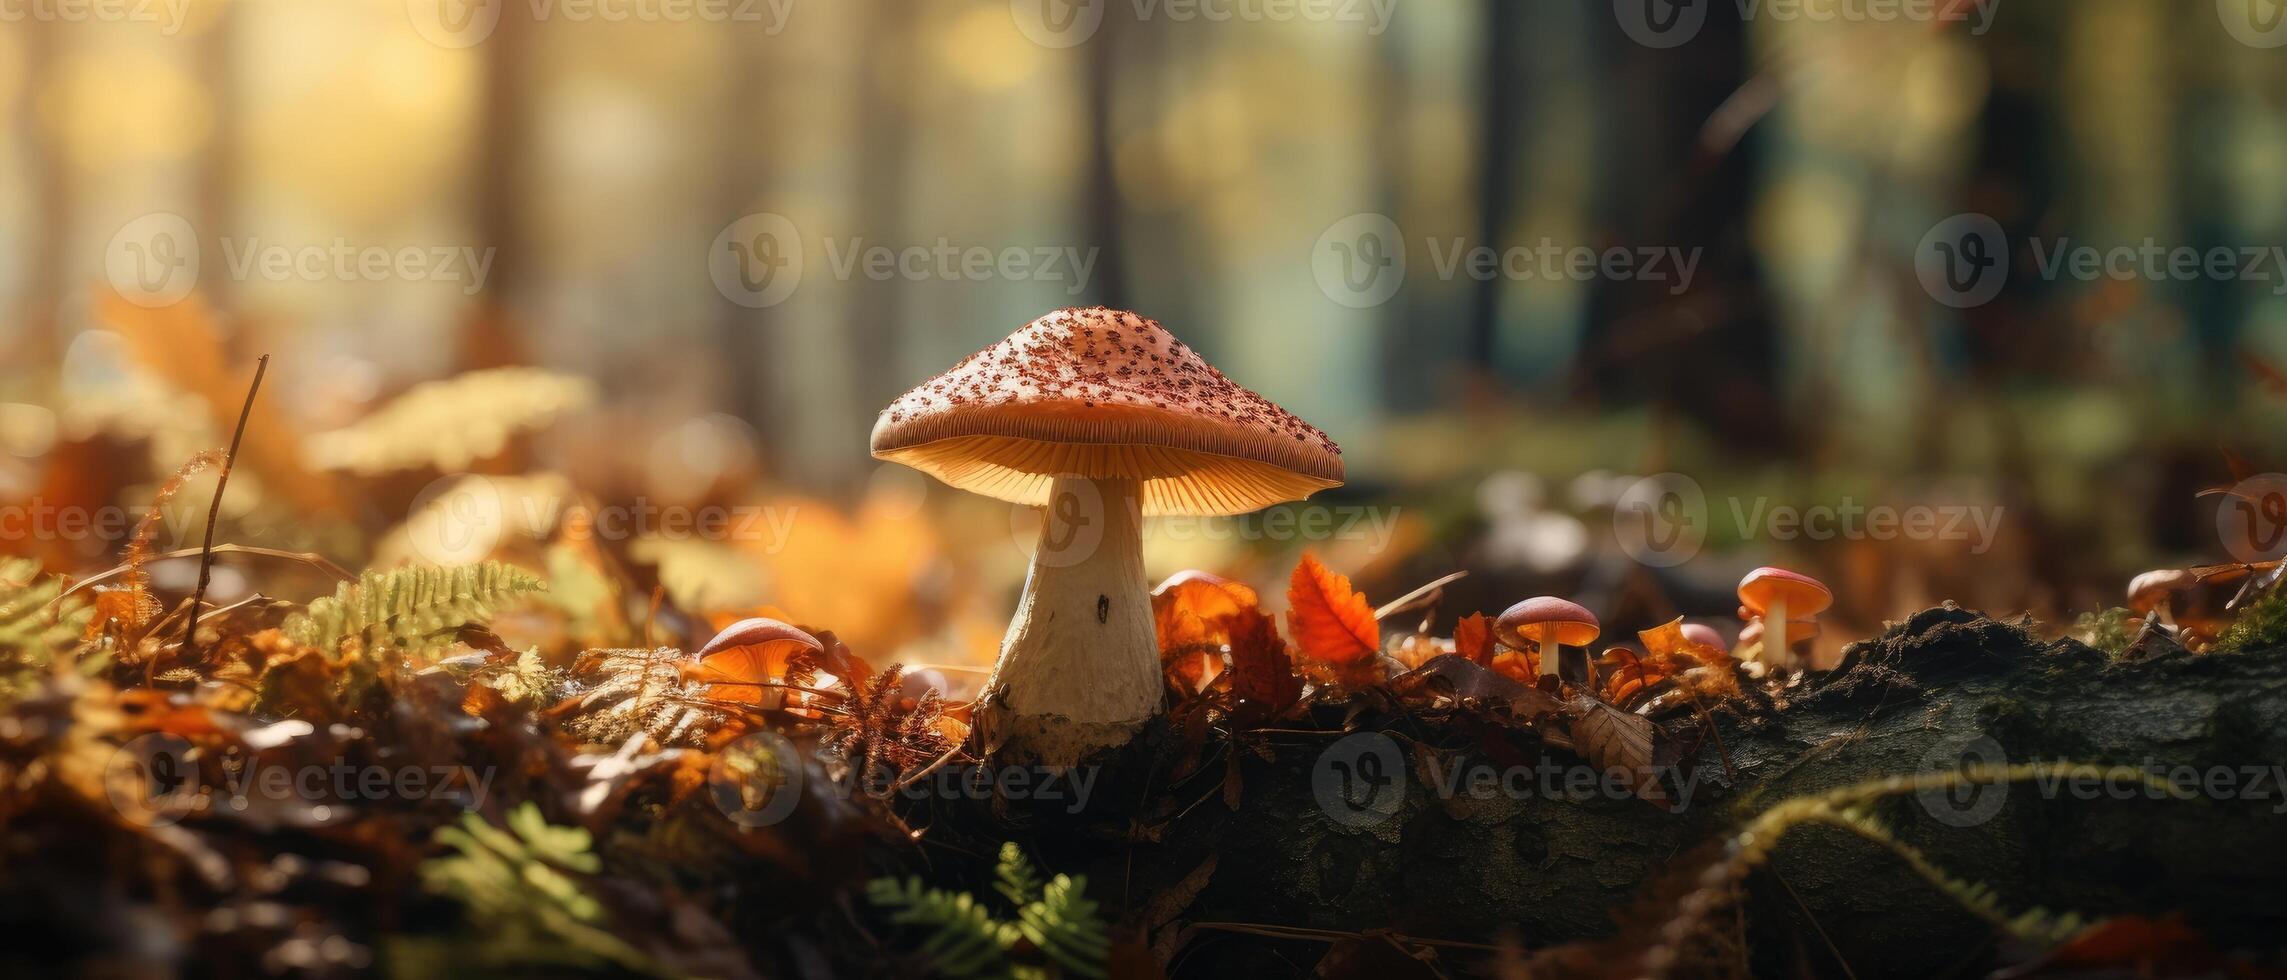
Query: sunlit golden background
x=597, y=163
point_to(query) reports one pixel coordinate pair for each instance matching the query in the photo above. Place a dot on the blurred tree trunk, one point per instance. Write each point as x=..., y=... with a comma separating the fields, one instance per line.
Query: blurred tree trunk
x=216, y=209
x=503, y=172
x=743, y=334
x=874, y=308
x=1504, y=87
x=1104, y=227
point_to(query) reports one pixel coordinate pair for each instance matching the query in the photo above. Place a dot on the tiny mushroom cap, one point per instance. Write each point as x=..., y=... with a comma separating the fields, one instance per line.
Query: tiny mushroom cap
x=2147, y=591
x=1801, y=594
x=1105, y=394
x=763, y=632
x=1705, y=635
x=1547, y=620
x=753, y=650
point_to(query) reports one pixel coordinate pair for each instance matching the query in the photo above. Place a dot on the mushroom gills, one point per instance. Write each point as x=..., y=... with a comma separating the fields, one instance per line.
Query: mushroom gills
x=1079, y=668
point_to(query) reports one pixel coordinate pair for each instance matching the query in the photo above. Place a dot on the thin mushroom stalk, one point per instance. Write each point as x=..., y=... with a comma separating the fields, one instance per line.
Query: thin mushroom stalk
x=1079, y=668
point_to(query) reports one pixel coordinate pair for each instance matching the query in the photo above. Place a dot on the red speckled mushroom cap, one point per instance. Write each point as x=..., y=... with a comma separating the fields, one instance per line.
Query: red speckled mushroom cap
x=1805, y=596
x=1537, y=619
x=1105, y=394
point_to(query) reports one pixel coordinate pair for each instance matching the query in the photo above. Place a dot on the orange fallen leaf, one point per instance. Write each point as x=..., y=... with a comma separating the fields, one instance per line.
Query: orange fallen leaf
x=1473, y=638
x=1332, y=623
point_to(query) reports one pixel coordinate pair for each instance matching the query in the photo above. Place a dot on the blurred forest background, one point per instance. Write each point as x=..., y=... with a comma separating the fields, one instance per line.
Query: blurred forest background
x=598, y=163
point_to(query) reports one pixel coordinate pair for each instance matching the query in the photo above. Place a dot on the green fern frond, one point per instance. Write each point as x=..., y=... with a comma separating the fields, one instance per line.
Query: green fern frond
x=1015, y=878
x=447, y=425
x=1066, y=926
x=32, y=631
x=411, y=608
x=964, y=939
x=519, y=887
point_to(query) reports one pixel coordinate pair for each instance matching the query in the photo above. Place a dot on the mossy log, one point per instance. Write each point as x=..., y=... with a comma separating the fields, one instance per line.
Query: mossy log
x=1946, y=685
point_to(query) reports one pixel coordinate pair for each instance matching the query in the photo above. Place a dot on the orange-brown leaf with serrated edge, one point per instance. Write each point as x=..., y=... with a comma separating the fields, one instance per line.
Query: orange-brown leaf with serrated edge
x=1332, y=623
x=1473, y=638
x=1262, y=673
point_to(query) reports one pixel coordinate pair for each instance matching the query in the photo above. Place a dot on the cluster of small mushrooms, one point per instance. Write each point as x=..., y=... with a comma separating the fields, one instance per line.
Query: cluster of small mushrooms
x=1102, y=418
x=1550, y=626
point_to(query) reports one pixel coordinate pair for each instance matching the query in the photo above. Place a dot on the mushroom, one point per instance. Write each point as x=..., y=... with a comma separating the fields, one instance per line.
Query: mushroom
x=1100, y=418
x=752, y=652
x=1550, y=624
x=1770, y=593
x=2154, y=589
x=1705, y=635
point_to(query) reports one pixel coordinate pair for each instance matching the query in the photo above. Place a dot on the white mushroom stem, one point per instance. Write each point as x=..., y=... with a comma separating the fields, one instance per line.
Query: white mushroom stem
x=1079, y=669
x=1551, y=652
x=1775, y=650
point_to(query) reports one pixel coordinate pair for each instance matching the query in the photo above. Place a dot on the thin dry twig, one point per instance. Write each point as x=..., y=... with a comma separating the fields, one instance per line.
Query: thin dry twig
x=214, y=513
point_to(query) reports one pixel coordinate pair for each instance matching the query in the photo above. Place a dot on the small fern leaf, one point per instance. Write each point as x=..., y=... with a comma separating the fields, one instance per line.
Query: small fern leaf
x=964, y=939
x=410, y=609
x=1015, y=878
x=35, y=627
x=1066, y=926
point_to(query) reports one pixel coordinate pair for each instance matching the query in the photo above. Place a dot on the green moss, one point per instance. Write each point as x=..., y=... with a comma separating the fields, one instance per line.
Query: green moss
x=2108, y=632
x=2262, y=626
